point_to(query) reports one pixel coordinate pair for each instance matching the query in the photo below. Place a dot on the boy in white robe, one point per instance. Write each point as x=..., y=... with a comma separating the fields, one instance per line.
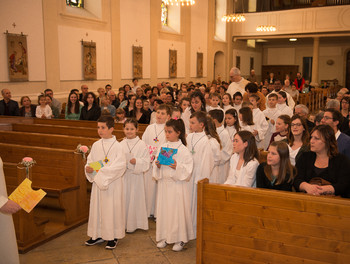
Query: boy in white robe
x=154, y=137
x=138, y=162
x=227, y=146
x=203, y=159
x=259, y=120
x=237, y=101
x=107, y=208
x=272, y=113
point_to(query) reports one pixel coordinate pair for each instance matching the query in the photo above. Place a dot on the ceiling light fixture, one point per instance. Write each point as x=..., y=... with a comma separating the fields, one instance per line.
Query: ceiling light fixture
x=293, y=39
x=234, y=17
x=179, y=2
x=266, y=28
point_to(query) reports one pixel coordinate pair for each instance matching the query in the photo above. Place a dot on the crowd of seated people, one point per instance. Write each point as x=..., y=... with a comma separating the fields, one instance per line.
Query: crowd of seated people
x=269, y=111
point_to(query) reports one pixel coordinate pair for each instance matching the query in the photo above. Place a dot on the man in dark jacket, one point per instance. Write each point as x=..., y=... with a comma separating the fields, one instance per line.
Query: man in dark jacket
x=8, y=107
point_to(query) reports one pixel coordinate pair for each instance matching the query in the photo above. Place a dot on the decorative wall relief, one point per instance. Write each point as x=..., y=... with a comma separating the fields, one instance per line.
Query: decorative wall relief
x=89, y=60
x=137, y=62
x=172, y=63
x=17, y=55
x=199, y=64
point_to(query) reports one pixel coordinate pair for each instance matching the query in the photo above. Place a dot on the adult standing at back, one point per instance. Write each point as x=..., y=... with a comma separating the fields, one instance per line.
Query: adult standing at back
x=238, y=83
x=84, y=90
x=299, y=82
x=8, y=107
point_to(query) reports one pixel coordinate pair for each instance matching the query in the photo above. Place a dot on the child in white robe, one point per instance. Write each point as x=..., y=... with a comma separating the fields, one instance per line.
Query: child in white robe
x=283, y=104
x=244, y=162
x=237, y=101
x=272, y=113
x=232, y=123
x=197, y=104
x=107, y=208
x=154, y=137
x=203, y=159
x=216, y=147
x=137, y=162
x=215, y=102
x=259, y=120
x=43, y=110
x=246, y=121
x=227, y=147
x=174, y=220
x=227, y=102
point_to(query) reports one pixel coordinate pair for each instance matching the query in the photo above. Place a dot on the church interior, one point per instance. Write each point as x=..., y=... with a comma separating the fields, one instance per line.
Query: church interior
x=136, y=39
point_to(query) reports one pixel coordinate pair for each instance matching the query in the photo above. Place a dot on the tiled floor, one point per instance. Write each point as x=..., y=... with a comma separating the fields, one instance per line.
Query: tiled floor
x=139, y=247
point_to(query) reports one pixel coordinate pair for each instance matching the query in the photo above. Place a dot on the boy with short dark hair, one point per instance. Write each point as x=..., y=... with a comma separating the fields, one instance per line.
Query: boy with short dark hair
x=107, y=210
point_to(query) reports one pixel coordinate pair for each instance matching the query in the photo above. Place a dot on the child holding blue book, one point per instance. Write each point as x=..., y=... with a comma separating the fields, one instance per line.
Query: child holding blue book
x=174, y=220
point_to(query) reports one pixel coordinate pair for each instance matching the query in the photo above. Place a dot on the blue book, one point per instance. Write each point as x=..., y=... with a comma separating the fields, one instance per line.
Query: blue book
x=165, y=156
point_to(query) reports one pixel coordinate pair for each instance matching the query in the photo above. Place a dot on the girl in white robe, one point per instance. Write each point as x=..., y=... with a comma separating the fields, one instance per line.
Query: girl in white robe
x=272, y=113
x=137, y=162
x=203, y=159
x=154, y=137
x=283, y=104
x=244, y=162
x=197, y=105
x=174, y=220
x=227, y=102
x=232, y=123
x=107, y=207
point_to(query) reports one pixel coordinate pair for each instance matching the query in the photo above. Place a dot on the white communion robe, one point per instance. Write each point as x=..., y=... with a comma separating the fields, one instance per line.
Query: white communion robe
x=271, y=114
x=203, y=164
x=174, y=220
x=237, y=87
x=285, y=109
x=259, y=120
x=246, y=177
x=8, y=242
x=225, y=154
x=227, y=107
x=134, y=183
x=107, y=207
x=231, y=131
x=215, y=148
x=151, y=133
x=185, y=116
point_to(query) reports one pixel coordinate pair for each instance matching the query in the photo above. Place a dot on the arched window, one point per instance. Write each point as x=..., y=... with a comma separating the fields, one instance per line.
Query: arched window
x=75, y=3
x=164, y=17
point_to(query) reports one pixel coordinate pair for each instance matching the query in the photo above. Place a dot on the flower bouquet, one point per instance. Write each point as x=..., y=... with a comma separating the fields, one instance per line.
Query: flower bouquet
x=27, y=162
x=83, y=150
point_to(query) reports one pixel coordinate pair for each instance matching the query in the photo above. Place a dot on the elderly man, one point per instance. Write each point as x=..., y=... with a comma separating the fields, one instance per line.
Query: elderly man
x=113, y=99
x=303, y=112
x=55, y=102
x=84, y=90
x=238, y=82
x=8, y=107
x=252, y=77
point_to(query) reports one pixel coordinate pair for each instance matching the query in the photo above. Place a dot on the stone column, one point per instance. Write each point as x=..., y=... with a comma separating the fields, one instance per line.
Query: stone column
x=315, y=58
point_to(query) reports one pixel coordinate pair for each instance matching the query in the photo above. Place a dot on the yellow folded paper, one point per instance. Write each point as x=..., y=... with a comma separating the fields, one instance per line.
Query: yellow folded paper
x=97, y=165
x=26, y=197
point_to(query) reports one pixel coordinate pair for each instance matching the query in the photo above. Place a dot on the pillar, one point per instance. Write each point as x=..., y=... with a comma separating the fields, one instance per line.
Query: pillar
x=315, y=58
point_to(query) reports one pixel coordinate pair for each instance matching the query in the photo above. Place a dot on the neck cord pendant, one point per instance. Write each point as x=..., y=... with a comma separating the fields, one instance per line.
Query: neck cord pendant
x=192, y=151
x=106, y=160
x=156, y=140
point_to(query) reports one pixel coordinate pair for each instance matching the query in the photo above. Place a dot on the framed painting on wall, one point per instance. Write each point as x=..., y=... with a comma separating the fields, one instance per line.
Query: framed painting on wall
x=89, y=60
x=17, y=54
x=172, y=63
x=199, y=64
x=137, y=62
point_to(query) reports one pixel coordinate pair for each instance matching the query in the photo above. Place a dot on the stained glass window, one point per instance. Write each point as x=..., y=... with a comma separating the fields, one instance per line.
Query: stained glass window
x=75, y=3
x=164, y=17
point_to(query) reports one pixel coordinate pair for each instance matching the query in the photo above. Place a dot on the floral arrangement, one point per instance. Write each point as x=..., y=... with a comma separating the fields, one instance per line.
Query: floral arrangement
x=83, y=150
x=27, y=162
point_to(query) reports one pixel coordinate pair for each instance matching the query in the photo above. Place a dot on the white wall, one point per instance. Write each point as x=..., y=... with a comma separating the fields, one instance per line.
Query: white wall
x=199, y=35
x=29, y=20
x=70, y=52
x=135, y=30
x=245, y=60
x=281, y=56
x=163, y=57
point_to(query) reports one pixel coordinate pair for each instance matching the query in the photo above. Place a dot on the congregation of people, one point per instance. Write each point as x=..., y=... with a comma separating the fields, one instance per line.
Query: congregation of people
x=217, y=131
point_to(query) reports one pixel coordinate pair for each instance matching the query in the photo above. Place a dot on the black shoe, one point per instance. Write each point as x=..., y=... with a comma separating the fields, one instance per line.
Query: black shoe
x=111, y=244
x=92, y=242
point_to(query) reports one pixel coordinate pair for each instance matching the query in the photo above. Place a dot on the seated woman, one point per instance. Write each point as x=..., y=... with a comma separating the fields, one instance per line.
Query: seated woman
x=244, y=161
x=277, y=173
x=90, y=111
x=27, y=109
x=298, y=138
x=323, y=170
x=73, y=107
x=282, y=129
x=130, y=104
x=141, y=115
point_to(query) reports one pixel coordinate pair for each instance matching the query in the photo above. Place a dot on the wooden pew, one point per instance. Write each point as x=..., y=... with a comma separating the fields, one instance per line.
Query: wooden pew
x=60, y=173
x=247, y=225
x=64, y=130
x=44, y=140
x=79, y=123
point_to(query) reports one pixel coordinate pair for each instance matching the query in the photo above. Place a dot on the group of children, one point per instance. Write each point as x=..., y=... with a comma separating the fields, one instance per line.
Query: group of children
x=133, y=185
